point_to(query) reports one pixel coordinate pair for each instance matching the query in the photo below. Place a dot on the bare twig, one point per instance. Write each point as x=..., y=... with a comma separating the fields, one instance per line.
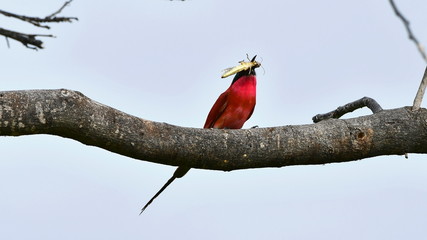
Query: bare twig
x=411, y=36
x=33, y=20
x=29, y=40
x=350, y=107
x=36, y=21
x=59, y=10
x=420, y=93
x=7, y=42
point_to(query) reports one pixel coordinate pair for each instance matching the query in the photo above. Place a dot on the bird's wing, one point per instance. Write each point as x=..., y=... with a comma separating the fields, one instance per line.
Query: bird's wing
x=251, y=113
x=217, y=110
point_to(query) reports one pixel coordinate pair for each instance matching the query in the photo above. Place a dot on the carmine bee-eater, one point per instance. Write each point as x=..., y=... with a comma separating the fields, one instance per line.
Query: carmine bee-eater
x=231, y=110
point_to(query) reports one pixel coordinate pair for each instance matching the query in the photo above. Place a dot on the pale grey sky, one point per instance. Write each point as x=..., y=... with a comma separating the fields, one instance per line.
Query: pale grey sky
x=162, y=61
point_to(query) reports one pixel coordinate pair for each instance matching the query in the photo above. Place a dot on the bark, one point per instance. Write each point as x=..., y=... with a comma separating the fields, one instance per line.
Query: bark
x=72, y=115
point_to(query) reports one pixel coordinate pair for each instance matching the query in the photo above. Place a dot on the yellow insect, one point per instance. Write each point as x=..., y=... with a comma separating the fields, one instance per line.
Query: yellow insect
x=242, y=67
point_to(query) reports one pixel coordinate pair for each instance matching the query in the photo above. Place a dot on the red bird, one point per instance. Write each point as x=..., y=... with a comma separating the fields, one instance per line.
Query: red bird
x=231, y=110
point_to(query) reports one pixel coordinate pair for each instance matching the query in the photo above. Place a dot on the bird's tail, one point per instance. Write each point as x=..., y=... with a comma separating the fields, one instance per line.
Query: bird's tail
x=179, y=172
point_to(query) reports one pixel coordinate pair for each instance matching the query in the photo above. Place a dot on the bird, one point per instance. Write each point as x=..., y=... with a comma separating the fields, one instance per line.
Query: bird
x=230, y=111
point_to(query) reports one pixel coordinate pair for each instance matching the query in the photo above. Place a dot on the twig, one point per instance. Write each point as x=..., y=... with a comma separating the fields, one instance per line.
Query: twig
x=33, y=20
x=408, y=30
x=420, y=93
x=350, y=107
x=37, y=21
x=59, y=10
x=28, y=40
x=7, y=42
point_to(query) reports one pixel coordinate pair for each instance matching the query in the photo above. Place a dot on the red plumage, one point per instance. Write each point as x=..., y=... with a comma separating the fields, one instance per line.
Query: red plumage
x=234, y=106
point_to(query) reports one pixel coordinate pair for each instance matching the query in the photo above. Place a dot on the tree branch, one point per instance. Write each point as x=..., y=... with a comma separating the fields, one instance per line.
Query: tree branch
x=420, y=93
x=51, y=16
x=29, y=40
x=411, y=36
x=36, y=21
x=72, y=115
x=350, y=107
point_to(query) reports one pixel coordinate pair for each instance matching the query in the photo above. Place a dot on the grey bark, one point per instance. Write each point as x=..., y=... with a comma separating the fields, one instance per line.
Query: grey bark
x=72, y=115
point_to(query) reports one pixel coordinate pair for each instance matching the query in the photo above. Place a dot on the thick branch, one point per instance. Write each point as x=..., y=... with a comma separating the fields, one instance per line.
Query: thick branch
x=70, y=114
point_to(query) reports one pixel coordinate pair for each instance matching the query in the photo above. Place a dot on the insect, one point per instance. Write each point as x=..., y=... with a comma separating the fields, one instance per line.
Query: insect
x=242, y=67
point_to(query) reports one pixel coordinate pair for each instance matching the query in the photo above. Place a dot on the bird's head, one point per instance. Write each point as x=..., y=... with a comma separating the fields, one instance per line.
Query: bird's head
x=245, y=68
x=248, y=70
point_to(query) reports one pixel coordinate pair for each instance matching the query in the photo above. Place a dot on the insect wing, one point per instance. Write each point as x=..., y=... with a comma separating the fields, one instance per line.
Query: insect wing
x=242, y=67
x=233, y=70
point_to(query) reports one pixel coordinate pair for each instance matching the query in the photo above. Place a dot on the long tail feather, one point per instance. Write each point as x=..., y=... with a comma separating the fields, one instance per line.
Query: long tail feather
x=158, y=193
x=179, y=173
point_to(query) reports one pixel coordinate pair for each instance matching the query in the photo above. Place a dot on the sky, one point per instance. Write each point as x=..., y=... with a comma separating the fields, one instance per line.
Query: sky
x=162, y=61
